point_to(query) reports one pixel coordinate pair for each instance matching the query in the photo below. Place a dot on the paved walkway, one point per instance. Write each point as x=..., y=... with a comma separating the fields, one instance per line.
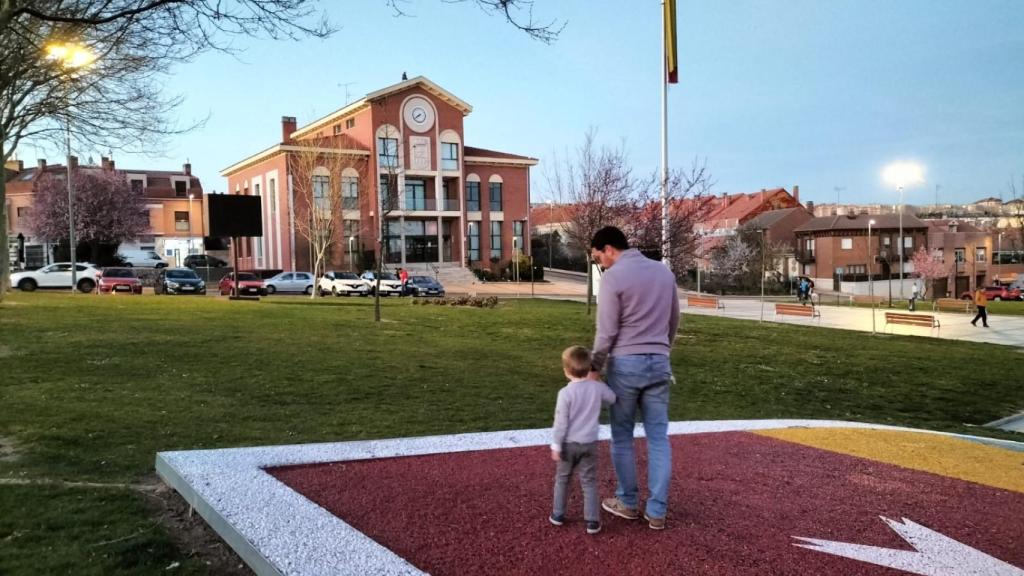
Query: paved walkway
x=955, y=326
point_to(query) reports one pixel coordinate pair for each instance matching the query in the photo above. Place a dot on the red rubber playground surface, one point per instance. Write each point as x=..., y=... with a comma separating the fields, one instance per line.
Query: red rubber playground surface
x=739, y=502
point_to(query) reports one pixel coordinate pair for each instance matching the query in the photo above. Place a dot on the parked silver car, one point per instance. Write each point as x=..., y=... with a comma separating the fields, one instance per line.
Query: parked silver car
x=290, y=282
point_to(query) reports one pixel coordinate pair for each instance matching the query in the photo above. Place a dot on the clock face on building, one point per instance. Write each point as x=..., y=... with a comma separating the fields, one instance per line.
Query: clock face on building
x=419, y=115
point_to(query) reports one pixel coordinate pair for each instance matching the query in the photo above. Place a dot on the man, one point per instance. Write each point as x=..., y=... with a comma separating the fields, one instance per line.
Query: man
x=981, y=301
x=637, y=319
x=915, y=293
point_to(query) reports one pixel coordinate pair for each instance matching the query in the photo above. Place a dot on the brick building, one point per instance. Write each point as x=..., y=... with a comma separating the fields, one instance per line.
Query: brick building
x=833, y=249
x=456, y=205
x=174, y=199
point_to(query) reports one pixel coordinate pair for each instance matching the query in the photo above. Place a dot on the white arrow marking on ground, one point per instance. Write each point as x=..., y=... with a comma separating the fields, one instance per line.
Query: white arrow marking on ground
x=934, y=554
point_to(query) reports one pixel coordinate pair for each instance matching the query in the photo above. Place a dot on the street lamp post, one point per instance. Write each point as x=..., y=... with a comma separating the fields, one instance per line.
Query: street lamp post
x=351, y=258
x=551, y=230
x=700, y=255
x=762, y=274
x=72, y=57
x=999, y=256
x=190, y=196
x=871, y=278
x=902, y=174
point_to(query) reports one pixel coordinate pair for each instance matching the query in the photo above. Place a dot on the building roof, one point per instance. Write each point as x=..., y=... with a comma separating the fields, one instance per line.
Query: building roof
x=772, y=217
x=353, y=107
x=942, y=225
x=743, y=206
x=860, y=222
x=483, y=156
x=549, y=214
x=989, y=200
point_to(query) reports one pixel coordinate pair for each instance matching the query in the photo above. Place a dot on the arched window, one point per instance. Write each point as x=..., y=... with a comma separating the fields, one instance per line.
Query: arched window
x=322, y=188
x=387, y=146
x=350, y=189
x=472, y=193
x=494, y=184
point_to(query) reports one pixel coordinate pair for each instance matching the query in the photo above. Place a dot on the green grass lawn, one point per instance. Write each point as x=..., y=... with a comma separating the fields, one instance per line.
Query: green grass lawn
x=91, y=388
x=1001, y=308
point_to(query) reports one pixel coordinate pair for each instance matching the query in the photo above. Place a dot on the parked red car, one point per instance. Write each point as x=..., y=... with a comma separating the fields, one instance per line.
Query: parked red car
x=997, y=293
x=248, y=283
x=118, y=281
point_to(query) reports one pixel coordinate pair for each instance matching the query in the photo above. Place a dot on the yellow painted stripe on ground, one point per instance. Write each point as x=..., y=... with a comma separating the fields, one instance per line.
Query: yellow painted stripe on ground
x=943, y=455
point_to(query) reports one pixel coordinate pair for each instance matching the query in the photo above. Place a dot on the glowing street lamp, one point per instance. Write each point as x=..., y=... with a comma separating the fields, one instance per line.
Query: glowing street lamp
x=71, y=57
x=900, y=175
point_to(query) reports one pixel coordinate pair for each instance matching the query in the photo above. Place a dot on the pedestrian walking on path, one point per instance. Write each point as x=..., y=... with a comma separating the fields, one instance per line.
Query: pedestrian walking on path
x=981, y=301
x=915, y=293
x=637, y=319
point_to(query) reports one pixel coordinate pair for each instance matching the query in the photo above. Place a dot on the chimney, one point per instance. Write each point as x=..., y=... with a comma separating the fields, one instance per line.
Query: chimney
x=73, y=162
x=187, y=168
x=106, y=163
x=41, y=164
x=796, y=193
x=14, y=165
x=810, y=207
x=287, y=127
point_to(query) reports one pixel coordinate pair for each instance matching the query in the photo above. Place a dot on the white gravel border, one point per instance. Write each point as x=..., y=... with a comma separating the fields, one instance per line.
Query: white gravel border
x=278, y=532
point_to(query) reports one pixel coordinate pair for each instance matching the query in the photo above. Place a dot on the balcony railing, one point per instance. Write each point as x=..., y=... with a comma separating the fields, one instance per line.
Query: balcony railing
x=450, y=204
x=420, y=204
x=805, y=255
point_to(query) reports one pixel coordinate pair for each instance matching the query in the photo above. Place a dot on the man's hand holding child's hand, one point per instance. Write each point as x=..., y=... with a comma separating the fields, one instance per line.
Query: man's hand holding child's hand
x=556, y=455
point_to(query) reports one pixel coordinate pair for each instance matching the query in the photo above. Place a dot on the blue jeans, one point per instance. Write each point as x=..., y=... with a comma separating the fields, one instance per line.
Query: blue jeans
x=641, y=381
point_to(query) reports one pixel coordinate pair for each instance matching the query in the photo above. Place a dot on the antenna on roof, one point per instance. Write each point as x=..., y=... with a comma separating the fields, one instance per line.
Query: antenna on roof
x=345, y=85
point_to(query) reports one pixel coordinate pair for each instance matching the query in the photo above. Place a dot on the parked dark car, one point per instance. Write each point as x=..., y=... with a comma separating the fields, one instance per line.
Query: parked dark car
x=204, y=261
x=179, y=281
x=118, y=280
x=424, y=286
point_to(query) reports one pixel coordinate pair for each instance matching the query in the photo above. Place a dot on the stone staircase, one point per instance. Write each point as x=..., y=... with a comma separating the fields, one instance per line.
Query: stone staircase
x=448, y=274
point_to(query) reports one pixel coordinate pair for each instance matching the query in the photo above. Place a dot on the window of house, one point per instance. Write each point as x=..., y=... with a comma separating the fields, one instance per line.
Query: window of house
x=474, y=241
x=449, y=156
x=979, y=255
x=415, y=195
x=847, y=244
x=517, y=234
x=350, y=123
x=136, y=186
x=959, y=255
x=322, y=192
x=23, y=212
x=181, y=223
x=388, y=196
x=387, y=152
x=496, y=239
x=337, y=129
x=857, y=269
x=472, y=196
x=495, y=196
x=350, y=193
x=180, y=188
x=908, y=242
x=272, y=193
x=886, y=241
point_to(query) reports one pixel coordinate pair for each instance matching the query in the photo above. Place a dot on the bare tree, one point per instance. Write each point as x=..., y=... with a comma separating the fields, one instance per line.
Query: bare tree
x=734, y=259
x=689, y=201
x=387, y=197
x=518, y=13
x=597, y=187
x=318, y=170
x=93, y=71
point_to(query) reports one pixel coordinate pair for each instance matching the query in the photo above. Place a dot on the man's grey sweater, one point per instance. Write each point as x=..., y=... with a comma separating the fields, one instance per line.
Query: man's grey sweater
x=637, y=309
x=577, y=411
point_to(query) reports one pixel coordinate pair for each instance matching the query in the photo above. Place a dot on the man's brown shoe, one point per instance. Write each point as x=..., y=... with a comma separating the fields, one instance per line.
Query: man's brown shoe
x=655, y=523
x=616, y=507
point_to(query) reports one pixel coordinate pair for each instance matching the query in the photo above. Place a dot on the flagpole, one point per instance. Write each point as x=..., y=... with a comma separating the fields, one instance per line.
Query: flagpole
x=664, y=142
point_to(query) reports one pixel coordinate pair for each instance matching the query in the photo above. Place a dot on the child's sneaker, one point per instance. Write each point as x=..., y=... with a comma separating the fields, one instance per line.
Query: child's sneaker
x=556, y=520
x=593, y=527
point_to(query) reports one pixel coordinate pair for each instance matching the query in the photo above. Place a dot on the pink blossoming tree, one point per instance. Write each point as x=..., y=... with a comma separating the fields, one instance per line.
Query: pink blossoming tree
x=107, y=211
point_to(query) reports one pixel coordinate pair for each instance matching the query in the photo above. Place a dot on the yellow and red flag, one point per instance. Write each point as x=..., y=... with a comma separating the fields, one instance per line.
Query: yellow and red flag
x=671, y=61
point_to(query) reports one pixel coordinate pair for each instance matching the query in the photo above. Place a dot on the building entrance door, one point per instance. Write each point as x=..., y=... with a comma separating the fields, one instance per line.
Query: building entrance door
x=421, y=249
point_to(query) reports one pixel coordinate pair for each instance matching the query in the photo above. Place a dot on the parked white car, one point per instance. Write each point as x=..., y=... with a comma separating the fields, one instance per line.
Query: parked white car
x=57, y=275
x=347, y=283
x=389, y=283
x=143, y=258
x=290, y=282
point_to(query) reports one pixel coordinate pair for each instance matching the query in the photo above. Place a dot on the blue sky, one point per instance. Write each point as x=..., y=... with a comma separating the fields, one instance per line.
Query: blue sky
x=820, y=93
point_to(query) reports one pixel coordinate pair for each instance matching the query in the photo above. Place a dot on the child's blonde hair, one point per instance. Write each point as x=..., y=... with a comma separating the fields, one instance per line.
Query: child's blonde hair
x=576, y=361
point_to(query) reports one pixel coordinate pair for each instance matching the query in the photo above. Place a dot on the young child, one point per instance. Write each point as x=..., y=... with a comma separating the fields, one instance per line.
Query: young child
x=574, y=437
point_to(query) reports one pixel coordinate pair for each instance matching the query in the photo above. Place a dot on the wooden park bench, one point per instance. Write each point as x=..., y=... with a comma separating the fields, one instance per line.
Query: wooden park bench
x=919, y=320
x=797, y=310
x=953, y=305
x=704, y=302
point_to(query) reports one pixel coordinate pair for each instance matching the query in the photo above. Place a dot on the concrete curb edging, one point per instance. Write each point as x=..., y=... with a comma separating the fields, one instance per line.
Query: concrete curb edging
x=278, y=532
